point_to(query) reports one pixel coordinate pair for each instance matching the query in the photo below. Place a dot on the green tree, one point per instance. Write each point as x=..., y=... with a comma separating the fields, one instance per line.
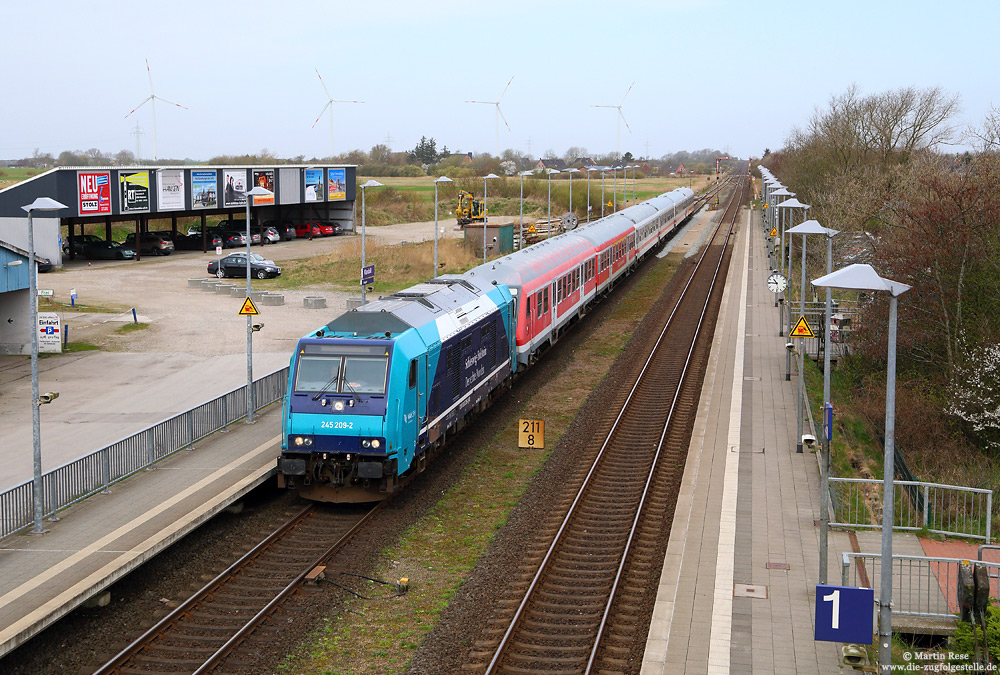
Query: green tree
x=425, y=152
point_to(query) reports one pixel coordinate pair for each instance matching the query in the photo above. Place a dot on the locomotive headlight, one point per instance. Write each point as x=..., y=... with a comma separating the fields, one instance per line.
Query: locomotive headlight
x=301, y=441
x=366, y=443
x=338, y=405
x=376, y=443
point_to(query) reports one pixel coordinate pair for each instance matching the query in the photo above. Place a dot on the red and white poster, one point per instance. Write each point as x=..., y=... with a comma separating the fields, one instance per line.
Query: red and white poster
x=95, y=192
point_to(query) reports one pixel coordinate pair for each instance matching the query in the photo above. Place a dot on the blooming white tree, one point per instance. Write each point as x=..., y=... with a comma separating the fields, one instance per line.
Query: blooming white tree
x=975, y=392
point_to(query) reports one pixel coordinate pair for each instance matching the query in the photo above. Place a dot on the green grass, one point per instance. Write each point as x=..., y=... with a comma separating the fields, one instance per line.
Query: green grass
x=132, y=327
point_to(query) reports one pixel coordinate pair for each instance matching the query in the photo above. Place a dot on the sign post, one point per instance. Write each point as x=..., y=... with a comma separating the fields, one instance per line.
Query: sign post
x=49, y=333
x=531, y=434
x=368, y=274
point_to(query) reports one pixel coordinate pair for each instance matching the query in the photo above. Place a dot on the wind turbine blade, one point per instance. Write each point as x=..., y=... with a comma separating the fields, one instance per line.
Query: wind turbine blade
x=328, y=104
x=624, y=120
x=341, y=100
x=487, y=102
x=502, y=117
x=150, y=74
x=505, y=89
x=160, y=98
x=148, y=98
x=323, y=83
x=627, y=91
x=604, y=106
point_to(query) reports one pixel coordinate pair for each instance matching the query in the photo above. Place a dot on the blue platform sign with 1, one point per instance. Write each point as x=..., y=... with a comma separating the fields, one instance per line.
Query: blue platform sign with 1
x=844, y=614
x=367, y=275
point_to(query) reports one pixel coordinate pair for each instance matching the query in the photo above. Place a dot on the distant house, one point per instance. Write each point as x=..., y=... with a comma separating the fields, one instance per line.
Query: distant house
x=675, y=169
x=557, y=164
x=584, y=162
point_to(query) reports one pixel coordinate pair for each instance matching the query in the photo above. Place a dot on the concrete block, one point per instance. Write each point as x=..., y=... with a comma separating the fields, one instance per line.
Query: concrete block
x=313, y=302
x=353, y=303
x=274, y=299
x=195, y=283
x=223, y=289
x=99, y=600
x=237, y=291
x=209, y=285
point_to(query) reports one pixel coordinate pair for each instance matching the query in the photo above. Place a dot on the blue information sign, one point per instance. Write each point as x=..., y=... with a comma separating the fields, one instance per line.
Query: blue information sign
x=844, y=614
x=828, y=421
x=367, y=275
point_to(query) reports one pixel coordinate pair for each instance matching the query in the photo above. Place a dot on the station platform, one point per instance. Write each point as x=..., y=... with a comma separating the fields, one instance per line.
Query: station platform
x=103, y=538
x=737, y=588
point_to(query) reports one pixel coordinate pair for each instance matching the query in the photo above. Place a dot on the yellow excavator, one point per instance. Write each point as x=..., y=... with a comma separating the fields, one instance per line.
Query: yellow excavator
x=470, y=209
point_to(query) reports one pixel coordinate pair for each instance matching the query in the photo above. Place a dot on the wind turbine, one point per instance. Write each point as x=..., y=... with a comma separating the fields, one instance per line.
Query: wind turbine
x=329, y=104
x=621, y=117
x=499, y=115
x=152, y=98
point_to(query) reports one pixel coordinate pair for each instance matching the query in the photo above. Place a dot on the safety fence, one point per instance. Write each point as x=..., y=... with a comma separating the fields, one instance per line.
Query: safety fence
x=75, y=481
x=950, y=510
x=921, y=586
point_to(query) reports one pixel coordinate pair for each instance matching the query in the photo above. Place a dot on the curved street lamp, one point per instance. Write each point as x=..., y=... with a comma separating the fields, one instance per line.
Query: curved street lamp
x=571, y=172
x=522, y=174
x=38, y=498
x=442, y=179
x=369, y=184
x=257, y=191
x=589, y=170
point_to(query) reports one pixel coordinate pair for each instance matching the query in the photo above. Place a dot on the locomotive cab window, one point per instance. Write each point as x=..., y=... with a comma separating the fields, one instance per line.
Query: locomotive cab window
x=354, y=370
x=413, y=373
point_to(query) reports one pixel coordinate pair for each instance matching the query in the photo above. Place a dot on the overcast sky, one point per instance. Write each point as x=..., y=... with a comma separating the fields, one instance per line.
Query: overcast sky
x=713, y=73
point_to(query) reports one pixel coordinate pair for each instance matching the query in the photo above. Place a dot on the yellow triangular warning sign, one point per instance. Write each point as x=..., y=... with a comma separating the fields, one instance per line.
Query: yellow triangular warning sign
x=802, y=329
x=248, y=308
x=774, y=232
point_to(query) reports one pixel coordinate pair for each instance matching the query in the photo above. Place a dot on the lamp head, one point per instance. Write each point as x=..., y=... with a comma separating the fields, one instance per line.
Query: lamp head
x=443, y=179
x=44, y=204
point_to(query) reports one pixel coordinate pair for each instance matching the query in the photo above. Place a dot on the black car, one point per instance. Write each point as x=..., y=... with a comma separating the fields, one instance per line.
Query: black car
x=79, y=241
x=192, y=242
x=231, y=238
x=108, y=250
x=235, y=265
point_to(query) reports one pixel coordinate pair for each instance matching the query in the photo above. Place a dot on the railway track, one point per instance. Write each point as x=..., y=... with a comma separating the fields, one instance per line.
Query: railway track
x=203, y=632
x=582, y=604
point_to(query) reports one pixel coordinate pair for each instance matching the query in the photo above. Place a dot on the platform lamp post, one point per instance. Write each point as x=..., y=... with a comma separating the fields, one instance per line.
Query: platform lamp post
x=38, y=497
x=634, y=167
x=614, y=200
x=571, y=172
x=791, y=203
x=862, y=277
x=369, y=184
x=485, y=212
x=442, y=179
x=548, y=229
x=604, y=170
x=589, y=169
x=257, y=191
x=520, y=244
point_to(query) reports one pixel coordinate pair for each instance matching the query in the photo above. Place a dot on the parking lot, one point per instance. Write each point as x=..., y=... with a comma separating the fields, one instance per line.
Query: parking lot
x=193, y=349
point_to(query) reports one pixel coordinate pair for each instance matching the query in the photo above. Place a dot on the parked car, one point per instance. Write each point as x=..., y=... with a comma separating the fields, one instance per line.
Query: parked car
x=329, y=228
x=44, y=265
x=254, y=238
x=235, y=265
x=271, y=235
x=192, y=242
x=79, y=242
x=150, y=243
x=108, y=250
x=239, y=225
x=231, y=239
x=285, y=227
x=308, y=230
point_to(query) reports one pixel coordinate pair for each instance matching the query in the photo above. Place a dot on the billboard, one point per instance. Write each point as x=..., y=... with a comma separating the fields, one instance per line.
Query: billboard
x=336, y=184
x=314, y=185
x=94, y=196
x=133, y=191
x=170, y=190
x=203, y=187
x=265, y=179
x=234, y=189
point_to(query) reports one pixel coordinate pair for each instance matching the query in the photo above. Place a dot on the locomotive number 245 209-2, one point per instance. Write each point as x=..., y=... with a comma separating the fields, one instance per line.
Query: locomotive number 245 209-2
x=337, y=425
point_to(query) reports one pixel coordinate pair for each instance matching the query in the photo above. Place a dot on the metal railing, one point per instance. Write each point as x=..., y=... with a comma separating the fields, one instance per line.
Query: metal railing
x=950, y=510
x=921, y=586
x=75, y=481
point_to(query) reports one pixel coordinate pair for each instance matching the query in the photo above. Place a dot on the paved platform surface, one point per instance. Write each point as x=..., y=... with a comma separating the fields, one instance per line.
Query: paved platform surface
x=100, y=540
x=747, y=499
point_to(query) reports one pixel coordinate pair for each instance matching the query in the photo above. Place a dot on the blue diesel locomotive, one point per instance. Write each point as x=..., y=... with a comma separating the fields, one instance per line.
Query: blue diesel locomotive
x=375, y=392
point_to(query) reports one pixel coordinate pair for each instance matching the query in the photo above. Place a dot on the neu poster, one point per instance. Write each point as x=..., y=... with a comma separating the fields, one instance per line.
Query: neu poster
x=94, y=192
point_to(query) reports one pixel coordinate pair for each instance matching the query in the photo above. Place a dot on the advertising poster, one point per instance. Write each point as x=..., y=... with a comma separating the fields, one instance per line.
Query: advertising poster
x=170, y=190
x=234, y=188
x=95, y=192
x=337, y=184
x=203, y=185
x=264, y=179
x=314, y=185
x=133, y=191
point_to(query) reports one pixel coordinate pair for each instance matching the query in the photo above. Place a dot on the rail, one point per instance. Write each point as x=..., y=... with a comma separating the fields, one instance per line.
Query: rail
x=921, y=586
x=950, y=510
x=98, y=471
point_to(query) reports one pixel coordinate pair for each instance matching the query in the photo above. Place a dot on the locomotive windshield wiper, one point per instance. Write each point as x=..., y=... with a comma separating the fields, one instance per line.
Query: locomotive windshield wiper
x=355, y=393
x=326, y=386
